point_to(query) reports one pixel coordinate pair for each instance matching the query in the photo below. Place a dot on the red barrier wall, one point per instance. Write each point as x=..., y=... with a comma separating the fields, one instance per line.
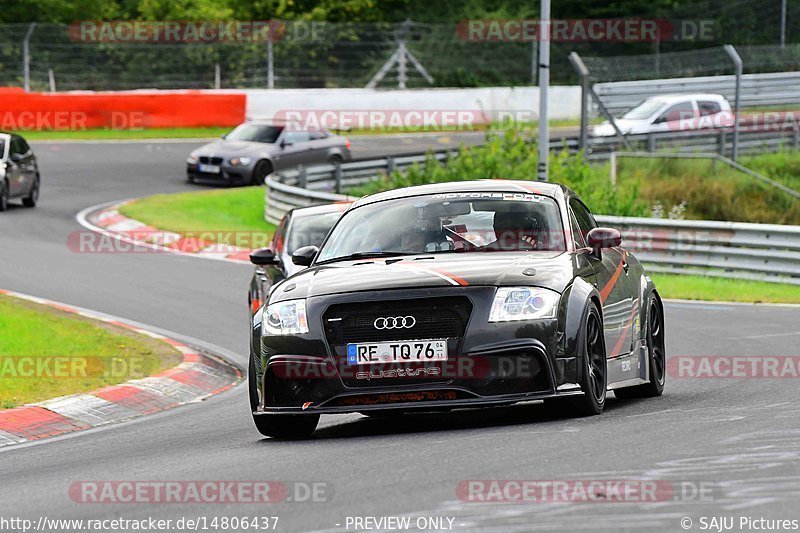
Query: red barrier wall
x=23, y=111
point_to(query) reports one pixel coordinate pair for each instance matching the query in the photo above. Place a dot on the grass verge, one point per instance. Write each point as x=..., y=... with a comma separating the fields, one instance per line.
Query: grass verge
x=226, y=216
x=112, y=134
x=100, y=134
x=711, y=288
x=45, y=353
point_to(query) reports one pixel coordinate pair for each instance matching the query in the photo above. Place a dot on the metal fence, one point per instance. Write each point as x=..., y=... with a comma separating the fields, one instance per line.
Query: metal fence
x=765, y=252
x=758, y=90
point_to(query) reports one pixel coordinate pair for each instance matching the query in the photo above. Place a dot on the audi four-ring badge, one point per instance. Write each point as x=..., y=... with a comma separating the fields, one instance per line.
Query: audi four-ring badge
x=456, y=295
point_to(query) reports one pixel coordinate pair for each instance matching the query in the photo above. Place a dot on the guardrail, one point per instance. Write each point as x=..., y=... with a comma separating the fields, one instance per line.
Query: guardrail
x=766, y=252
x=757, y=89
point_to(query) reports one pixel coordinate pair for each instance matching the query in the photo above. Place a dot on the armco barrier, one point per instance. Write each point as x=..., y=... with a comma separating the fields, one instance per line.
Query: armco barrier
x=23, y=111
x=765, y=252
x=770, y=89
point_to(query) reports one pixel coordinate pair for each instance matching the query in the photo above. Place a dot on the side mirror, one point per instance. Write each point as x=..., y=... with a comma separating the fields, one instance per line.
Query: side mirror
x=263, y=257
x=304, y=256
x=604, y=238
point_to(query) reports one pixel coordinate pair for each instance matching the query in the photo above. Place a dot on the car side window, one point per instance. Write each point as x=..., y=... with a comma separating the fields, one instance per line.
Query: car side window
x=681, y=111
x=297, y=137
x=708, y=108
x=17, y=146
x=279, y=240
x=577, y=234
x=583, y=216
x=317, y=135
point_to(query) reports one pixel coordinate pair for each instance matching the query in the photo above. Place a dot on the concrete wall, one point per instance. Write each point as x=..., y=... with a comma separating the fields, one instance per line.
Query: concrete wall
x=491, y=102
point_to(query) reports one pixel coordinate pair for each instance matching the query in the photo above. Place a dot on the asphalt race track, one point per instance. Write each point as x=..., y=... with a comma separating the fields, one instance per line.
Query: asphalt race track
x=739, y=437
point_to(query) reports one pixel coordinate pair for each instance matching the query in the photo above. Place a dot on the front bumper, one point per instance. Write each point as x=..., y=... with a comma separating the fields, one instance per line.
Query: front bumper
x=230, y=175
x=492, y=364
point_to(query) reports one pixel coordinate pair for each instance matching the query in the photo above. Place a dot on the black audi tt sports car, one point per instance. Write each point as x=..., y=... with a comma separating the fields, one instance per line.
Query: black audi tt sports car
x=456, y=295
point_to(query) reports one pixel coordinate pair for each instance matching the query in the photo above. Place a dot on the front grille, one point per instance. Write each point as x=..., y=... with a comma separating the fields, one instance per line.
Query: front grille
x=210, y=160
x=435, y=318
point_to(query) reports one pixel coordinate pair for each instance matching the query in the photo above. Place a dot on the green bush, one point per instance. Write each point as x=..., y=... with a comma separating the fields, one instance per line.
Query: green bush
x=695, y=188
x=510, y=156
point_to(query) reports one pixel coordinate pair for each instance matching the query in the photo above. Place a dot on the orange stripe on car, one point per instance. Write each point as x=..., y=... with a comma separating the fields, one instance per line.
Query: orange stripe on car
x=625, y=330
x=606, y=290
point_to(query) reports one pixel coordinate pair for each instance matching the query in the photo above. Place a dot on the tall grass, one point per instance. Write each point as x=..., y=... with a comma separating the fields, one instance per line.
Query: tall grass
x=708, y=191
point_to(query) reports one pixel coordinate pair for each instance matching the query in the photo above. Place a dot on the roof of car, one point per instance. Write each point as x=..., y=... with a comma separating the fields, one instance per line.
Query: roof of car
x=688, y=96
x=320, y=209
x=487, y=185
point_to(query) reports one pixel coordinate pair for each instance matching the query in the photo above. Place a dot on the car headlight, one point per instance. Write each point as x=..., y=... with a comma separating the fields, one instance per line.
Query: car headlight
x=285, y=318
x=241, y=161
x=192, y=159
x=523, y=303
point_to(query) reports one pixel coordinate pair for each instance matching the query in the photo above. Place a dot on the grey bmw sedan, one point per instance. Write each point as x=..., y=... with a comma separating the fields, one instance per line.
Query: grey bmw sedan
x=253, y=150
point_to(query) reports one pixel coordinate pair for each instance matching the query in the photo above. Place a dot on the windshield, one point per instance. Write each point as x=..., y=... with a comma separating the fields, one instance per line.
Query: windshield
x=260, y=133
x=453, y=222
x=643, y=110
x=310, y=230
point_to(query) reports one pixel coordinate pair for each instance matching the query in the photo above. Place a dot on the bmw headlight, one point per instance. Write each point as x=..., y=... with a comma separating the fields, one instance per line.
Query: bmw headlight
x=192, y=159
x=285, y=318
x=523, y=303
x=241, y=161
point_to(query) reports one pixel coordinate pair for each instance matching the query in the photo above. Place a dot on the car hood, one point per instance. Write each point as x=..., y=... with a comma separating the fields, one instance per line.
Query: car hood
x=234, y=148
x=552, y=270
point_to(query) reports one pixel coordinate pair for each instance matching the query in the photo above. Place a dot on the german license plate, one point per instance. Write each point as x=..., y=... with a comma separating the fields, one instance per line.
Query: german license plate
x=373, y=353
x=210, y=169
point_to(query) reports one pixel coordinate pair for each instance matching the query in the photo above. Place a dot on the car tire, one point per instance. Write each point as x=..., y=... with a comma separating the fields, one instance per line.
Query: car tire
x=657, y=356
x=278, y=426
x=33, y=196
x=594, y=377
x=3, y=196
x=260, y=173
x=335, y=159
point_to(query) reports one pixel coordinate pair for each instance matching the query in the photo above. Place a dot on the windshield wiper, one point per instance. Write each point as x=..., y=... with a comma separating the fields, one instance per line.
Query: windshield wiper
x=366, y=255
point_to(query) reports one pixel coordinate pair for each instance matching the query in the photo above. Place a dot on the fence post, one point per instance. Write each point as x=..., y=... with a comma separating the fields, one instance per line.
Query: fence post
x=583, y=76
x=26, y=57
x=302, y=176
x=337, y=176
x=796, y=135
x=270, y=65
x=651, y=143
x=52, y=78
x=737, y=63
x=217, y=77
x=723, y=139
x=612, y=163
x=390, y=165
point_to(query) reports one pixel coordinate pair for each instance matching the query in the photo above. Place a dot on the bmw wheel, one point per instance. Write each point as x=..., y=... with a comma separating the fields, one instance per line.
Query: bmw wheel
x=33, y=196
x=260, y=173
x=3, y=196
